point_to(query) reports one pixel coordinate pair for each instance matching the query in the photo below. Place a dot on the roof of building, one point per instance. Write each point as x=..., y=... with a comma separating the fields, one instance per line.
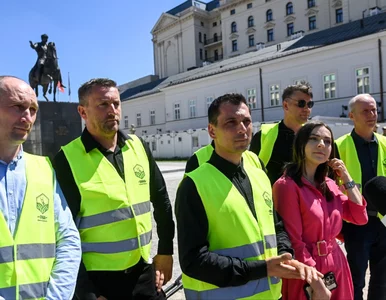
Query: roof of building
x=185, y=5
x=140, y=88
x=180, y=8
x=329, y=36
x=343, y=32
x=212, y=5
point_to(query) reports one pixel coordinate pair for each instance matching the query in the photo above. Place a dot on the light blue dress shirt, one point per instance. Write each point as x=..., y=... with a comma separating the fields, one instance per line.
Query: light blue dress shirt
x=13, y=185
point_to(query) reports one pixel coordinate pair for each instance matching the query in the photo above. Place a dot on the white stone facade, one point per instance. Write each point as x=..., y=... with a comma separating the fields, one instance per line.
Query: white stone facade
x=194, y=35
x=184, y=106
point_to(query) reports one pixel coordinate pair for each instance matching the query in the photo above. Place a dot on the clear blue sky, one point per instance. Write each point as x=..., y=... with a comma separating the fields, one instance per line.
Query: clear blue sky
x=93, y=38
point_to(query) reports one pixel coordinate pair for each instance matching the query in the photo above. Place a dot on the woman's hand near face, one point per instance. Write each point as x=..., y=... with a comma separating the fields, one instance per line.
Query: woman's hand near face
x=340, y=169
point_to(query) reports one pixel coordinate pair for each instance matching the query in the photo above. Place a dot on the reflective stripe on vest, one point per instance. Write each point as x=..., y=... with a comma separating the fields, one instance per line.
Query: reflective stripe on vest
x=203, y=155
x=28, y=251
x=114, y=215
x=116, y=233
x=269, y=133
x=249, y=250
x=252, y=287
x=116, y=247
x=26, y=291
x=349, y=155
x=27, y=259
x=234, y=231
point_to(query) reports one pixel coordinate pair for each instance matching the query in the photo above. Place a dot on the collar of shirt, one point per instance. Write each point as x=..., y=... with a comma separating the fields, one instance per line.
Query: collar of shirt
x=90, y=143
x=226, y=167
x=16, y=159
x=282, y=127
x=359, y=140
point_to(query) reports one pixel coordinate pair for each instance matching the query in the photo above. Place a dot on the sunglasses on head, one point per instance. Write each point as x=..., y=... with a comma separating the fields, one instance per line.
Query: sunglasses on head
x=302, y=103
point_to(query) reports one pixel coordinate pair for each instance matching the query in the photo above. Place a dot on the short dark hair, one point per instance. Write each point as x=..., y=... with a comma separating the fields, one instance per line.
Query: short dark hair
x=303, y=86
x=86, y=88
x=296, y=168
x=214, y=108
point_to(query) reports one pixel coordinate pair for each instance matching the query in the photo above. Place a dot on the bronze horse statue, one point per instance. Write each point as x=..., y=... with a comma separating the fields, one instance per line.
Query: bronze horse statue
x=51, y=74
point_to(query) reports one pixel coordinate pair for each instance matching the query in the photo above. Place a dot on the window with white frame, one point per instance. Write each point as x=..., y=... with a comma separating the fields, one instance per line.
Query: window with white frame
x=154, y=145
x=192, y=108
x=251, y=98
x=209, y=101
x=152, y=117
x=126, y=122
x=329, y=86
x=194, y=141
x=177, y=113
x=274, y=94
x=139, y=120
x=363, y=80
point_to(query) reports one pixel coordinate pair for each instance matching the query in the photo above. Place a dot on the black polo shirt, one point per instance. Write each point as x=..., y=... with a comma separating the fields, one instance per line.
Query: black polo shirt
x=158, y=194
x=368, y=158
x=192, y=225
x=281, y=152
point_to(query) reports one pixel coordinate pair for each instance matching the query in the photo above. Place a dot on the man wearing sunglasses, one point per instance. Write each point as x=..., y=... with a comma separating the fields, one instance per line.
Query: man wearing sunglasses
x=273, y=143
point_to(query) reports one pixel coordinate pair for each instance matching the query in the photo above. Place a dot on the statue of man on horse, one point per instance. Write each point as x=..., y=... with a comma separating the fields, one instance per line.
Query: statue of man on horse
x=46, y=70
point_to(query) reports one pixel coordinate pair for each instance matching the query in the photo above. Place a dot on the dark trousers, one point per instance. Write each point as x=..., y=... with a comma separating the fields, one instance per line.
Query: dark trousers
x=137, y=284
x=367, y=243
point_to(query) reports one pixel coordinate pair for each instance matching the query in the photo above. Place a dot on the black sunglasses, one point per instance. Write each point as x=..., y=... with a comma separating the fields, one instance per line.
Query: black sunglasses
x=302, y=103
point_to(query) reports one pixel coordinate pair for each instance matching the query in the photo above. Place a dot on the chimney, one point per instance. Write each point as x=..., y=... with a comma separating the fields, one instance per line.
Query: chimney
x=278, y=47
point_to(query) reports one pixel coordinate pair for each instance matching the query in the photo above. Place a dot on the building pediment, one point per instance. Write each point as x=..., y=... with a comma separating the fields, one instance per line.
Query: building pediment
x=233, y=36
x=336, y=4
x=269, y=25
x=163, y=21
x=250, y=30
x=311, y=12
x=289, y=19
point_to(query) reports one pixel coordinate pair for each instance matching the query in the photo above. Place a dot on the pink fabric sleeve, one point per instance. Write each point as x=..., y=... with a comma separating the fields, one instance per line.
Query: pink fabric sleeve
x=286, y=201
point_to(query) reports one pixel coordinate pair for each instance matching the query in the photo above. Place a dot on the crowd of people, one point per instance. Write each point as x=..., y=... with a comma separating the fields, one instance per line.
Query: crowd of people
x=261, y=223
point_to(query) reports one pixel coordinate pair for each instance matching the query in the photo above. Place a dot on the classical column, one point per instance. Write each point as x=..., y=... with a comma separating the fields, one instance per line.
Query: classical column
x=178, y=52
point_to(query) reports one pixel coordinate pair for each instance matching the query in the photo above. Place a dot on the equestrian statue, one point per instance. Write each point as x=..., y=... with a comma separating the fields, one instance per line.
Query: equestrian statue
x=46, y=70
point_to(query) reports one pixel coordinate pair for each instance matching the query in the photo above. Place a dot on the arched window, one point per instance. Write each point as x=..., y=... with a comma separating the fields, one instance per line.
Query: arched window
x=215, y=37
x=250, y=22
x=233, y=27
x=289, y=8
x=269, y=15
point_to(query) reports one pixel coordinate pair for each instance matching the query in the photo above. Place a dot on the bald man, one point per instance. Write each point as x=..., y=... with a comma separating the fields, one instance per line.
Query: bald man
x=39, y=245
x=364, y=153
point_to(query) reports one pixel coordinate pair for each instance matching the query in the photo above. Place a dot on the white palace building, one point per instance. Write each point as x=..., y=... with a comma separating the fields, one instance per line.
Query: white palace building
x=255, y=48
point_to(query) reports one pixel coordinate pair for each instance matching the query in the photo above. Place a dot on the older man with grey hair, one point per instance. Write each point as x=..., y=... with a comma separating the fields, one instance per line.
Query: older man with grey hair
x=364, y=153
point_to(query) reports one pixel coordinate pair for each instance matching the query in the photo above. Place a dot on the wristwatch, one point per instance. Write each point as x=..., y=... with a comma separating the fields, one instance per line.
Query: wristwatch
x=349, y=185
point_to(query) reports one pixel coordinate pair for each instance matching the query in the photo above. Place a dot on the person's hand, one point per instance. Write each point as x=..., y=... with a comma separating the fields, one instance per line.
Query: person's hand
x=163, y=269
x=30, y=42
x=278, y=266
x=310, y=274
x=340, y=169
x=320, y=291
x=101, y=298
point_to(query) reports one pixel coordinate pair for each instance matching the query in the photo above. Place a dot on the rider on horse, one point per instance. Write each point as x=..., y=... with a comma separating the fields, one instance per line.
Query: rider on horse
x=41, y=49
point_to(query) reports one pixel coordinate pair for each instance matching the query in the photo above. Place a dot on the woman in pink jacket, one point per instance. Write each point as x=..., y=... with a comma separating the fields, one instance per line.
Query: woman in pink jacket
x=312, y=207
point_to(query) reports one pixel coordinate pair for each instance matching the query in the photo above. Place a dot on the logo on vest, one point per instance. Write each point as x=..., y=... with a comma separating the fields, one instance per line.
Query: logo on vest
x=42, y=206
x=140, y=173
x=384, y=163
x=268, y=201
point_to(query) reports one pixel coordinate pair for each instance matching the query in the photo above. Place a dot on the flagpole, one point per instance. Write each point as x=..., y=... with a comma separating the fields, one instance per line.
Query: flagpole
x=69, y=88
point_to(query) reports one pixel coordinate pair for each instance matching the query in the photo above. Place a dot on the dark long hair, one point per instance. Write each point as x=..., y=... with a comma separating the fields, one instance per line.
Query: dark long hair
x=297, y=167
